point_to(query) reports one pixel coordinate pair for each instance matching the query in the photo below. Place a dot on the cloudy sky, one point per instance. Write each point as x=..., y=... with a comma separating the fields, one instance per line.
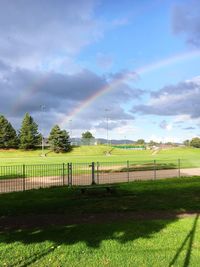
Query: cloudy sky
x=78, y=63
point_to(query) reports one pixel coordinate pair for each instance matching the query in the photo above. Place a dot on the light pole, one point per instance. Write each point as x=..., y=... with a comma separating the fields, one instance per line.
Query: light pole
x=42, y=107
x=106, y=111
x=70, y=130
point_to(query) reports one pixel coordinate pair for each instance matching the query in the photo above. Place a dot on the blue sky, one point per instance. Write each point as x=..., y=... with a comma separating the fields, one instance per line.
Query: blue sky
x=62, y=58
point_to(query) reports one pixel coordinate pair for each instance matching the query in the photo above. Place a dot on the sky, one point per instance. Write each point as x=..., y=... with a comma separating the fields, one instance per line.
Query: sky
x=133, y=66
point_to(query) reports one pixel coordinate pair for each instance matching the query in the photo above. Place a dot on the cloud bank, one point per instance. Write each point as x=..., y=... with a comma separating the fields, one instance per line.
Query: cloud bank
x=180, y=99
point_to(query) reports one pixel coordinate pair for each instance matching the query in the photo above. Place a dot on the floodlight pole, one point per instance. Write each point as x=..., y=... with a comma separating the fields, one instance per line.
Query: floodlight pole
x=125, y=141
x=42, y=111
x=70, y=129
x=106, y=110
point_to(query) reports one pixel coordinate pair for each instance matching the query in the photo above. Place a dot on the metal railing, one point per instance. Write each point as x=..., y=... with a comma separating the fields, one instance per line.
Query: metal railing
x=25, y=177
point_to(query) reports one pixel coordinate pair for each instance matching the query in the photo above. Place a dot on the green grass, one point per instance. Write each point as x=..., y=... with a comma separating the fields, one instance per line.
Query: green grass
x=190, y=157
x=144, y=243
x=170, y=242
x=180, y=195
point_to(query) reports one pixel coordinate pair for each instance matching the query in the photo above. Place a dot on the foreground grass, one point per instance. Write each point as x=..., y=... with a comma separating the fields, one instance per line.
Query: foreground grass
x=144, y=243
x=177, y=194
x=170, y=242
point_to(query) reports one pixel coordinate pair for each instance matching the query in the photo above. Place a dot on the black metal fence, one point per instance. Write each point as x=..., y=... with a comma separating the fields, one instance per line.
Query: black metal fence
x=25, y=177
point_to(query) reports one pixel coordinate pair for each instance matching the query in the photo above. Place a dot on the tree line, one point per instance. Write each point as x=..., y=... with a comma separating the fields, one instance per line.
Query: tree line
x=194, y=142
x=28, y=136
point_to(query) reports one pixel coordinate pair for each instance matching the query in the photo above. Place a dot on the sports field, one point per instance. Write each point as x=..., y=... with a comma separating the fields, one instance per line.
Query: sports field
x=190, y=156
x=140, y=224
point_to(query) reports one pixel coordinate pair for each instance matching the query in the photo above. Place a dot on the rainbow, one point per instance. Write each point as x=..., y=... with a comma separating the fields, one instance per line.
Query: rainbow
x=116, y=82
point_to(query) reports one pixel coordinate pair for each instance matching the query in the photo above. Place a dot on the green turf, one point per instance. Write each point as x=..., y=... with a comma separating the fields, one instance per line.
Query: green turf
x=190, y=157
x=178, y=194
x=171, y=242
x=144, y=243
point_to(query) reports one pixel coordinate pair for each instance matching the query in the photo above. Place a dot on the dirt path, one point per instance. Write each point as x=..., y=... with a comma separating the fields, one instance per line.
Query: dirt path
x=46, y=220
x=20, y=184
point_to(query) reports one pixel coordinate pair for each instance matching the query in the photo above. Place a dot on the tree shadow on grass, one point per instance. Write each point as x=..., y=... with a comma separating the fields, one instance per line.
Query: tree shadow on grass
x=189, y=238
x=93, y=234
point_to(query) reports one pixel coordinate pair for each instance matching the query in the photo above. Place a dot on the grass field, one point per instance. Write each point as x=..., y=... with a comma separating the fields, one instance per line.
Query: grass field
x=96, y=238
x=190, y=157
x=147, y=243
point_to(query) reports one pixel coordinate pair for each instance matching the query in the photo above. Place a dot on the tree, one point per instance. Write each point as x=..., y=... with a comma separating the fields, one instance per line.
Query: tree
x=28, y=135
x=186, y=142
x=140, y=142
x=8, y=136
x=59, y=140
x=195, y=142
x=87, y=138
x=152, y=143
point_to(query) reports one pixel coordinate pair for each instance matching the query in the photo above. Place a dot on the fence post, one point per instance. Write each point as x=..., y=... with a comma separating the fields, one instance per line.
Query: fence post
x=24, y=176
x=98, y=172
x=69, y=173
x=154, y=169
x=63, y=173
x=93, y=173
x=179, y=168
x=128, y=170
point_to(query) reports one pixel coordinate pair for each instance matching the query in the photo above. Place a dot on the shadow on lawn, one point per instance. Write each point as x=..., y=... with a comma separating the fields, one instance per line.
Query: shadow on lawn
x=93, y=234
x=189, y=238
x=90, y=234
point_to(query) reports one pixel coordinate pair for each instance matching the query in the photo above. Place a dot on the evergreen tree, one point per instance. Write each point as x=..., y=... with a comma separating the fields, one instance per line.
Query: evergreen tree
x=29, y=136
x=8, y=136
x=59, y=140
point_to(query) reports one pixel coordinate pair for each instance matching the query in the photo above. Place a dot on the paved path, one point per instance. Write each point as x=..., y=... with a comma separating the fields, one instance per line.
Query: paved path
x=20, y=184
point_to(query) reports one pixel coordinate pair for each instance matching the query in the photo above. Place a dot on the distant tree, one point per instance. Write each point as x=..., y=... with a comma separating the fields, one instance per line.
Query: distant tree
x=87, y=135
x=28, y=135
x=140, y=142
x=195, y=142
x=87, y=138
x=59, y=140
x=8, y=136
x=169, y=143
x=186, y=142
x=152, y=143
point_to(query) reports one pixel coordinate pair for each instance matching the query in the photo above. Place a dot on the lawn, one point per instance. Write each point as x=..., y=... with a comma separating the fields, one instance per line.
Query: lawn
x=190, y=157
x=177, y=195
x=106, y=229
x=132, y=243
